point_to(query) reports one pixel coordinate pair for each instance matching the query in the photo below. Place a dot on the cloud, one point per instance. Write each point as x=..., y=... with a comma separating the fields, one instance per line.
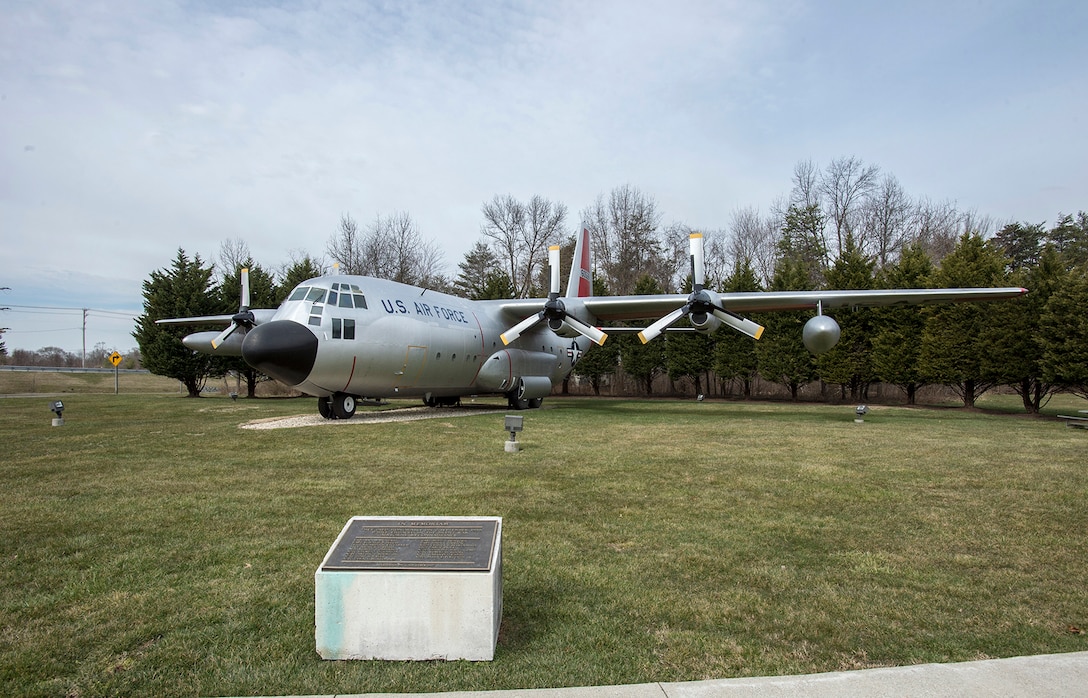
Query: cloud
x=134, y=128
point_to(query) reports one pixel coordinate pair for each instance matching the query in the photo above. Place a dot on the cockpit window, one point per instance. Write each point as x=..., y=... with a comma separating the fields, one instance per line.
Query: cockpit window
x=341, y=295
x=349, y=296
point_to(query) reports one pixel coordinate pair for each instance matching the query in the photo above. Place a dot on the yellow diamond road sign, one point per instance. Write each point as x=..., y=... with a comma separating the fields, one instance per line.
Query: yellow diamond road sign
x=115, y=358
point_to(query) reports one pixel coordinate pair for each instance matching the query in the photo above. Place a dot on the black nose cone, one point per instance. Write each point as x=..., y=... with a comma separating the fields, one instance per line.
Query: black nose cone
x=282, y=349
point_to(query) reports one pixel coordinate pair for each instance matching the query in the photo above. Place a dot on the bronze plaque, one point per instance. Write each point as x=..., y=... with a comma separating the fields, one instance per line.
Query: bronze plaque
x=453, y=545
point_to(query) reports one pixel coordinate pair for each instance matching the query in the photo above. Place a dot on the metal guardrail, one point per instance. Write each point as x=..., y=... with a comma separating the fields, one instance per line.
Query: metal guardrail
x=66, y=369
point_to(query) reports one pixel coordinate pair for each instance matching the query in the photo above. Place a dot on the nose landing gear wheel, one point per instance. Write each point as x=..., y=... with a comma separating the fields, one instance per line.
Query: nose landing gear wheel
x=324, y=407
x=343, y=406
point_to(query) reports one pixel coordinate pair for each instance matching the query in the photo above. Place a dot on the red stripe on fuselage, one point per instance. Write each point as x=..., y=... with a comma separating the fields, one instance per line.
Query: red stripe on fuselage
x=352, y=374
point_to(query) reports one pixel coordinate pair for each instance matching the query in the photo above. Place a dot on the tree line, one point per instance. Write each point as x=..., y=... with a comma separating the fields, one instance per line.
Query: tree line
x=846, y=225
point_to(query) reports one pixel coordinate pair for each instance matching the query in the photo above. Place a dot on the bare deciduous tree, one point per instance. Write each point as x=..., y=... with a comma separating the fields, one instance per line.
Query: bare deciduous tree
x=346, y=246
x=936, y=227
x=233, y=255
x=887, y=219
x=521, y=233
x=845, y=185
x=390, y=248
x=806, y=185
x=625, y=239
x=753, y=241
x=544, y=227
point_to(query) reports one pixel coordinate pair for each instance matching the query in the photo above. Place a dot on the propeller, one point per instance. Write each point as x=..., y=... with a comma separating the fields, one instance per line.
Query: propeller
x=554, y=312
x=244, y=316
x=701, y=303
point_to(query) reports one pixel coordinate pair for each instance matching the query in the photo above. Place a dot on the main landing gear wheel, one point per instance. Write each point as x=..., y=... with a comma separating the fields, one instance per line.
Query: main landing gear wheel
x=337, y=406
x=516, y=401
x=343, y=405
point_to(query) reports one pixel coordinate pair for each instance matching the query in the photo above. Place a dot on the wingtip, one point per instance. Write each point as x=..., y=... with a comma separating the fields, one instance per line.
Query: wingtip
x=759, y=333
x=642, y=338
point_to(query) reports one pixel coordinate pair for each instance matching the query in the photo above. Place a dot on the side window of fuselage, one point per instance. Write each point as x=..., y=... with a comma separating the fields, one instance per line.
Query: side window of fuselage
x=343, y=329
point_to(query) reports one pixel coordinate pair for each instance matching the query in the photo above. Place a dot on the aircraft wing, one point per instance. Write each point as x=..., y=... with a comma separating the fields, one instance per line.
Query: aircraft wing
x=260, y=315
x=201, y=320
x=618, y=308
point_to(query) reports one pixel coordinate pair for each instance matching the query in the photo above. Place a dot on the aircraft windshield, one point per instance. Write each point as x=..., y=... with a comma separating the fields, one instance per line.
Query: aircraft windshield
x=341, y=295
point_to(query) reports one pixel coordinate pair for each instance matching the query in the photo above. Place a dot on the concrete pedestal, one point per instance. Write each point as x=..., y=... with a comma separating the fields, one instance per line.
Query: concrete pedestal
x=409, y=614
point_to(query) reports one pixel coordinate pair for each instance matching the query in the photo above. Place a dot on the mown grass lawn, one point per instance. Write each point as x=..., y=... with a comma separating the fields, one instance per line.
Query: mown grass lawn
x=150, y=546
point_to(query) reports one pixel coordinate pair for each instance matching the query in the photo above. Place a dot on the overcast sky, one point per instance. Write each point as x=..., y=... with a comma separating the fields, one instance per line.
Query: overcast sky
x=130, y=129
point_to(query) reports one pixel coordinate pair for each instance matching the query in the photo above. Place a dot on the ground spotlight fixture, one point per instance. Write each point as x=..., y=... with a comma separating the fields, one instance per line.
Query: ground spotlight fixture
x=514, y=423
x=861, y=411
x=58, y=408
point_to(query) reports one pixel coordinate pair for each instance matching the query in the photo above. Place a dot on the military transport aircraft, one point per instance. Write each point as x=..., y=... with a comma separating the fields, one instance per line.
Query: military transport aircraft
x=342, y=338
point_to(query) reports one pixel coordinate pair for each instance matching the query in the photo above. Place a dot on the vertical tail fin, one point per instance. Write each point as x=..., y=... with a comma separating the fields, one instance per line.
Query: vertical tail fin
x=580, y=284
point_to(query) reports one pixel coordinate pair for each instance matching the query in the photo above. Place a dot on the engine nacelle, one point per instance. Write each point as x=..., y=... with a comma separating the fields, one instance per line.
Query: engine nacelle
x=563, y=329
x=821, y=333
x=508, y=369
x=704, y=322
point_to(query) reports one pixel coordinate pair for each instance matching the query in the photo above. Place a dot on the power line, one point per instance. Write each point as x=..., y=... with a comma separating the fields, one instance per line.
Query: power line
x=53, y=310
x=122, y=313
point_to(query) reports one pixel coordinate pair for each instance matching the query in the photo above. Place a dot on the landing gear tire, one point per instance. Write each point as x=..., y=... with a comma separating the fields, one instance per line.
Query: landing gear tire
x=534, y=403
x=514, y=399
x=324, y=407
x=343, y=406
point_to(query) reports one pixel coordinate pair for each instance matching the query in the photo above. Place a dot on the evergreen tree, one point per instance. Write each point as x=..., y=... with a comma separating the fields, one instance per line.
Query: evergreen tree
x=643, y=362
x=1014, y=353
x=849, y=363
x=184, y=290
x=803, y=239
x=735, y=353
x=1063, y=334
x=781, y=352
x=1021, y=244
x=955, y=338
x=689, y=354
x=480, y=273
x=298, y=271
x=599, y=361
x=496, y=286
x=897, y=331
x=262, y=294
x=1070, y=237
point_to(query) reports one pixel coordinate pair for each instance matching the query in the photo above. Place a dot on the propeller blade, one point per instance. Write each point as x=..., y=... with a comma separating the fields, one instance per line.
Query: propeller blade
x=514, y=332
x=245, y=288
x=553, y=263
x=592, y=333
x=738, y=323
x=698, y=264
x=658, y=327
x=222, y=337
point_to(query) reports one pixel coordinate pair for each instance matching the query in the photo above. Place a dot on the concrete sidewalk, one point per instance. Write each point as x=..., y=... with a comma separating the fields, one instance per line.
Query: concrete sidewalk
x=1038, y=677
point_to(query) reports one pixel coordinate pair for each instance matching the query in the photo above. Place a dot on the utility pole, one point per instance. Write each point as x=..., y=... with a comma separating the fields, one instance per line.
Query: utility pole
x=83, y=360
